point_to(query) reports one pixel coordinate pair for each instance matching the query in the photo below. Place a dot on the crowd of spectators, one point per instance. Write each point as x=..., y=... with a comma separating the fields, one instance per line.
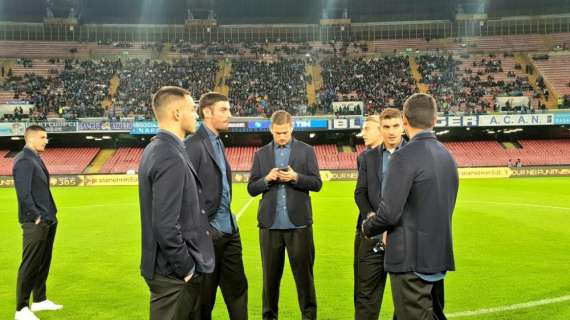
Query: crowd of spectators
x=379, y=83
x=138, y=80
x=77, y=91
x=260, y=88
x=472, y=88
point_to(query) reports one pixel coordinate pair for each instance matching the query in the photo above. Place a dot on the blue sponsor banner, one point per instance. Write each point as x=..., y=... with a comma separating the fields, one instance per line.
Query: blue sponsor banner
x=562, y=118
x=145, y=128
x=309, y=124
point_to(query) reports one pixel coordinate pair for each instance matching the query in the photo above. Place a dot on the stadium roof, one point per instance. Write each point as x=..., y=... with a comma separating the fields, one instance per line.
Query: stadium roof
x=269, y=11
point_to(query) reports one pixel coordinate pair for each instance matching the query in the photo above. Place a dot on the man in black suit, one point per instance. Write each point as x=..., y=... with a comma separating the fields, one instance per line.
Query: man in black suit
x=418, y=199
x=285, y=171
x=37, y=216
x=207, y=154
x=370, y=133
x=371, y=276
x=176, y=247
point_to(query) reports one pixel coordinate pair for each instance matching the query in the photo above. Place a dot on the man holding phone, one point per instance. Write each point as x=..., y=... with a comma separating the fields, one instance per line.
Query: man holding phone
x=285, y=171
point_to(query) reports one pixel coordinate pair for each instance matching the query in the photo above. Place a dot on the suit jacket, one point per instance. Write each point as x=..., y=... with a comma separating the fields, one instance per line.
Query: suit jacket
x=369, y=184
x=175, y=236
x=31, y=178
x=303, y=161
x=202, y=156
x=418, y=200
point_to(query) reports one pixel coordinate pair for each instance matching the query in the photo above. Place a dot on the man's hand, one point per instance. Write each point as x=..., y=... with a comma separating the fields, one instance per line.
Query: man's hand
x=188, y=278
x=38, y=220
x=287, y=176
x=273, y=175
x=370, y=215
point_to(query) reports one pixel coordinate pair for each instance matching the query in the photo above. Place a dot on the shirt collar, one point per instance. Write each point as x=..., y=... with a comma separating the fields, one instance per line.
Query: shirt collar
x=287, y=146
x=211, y=134
x=383, y=146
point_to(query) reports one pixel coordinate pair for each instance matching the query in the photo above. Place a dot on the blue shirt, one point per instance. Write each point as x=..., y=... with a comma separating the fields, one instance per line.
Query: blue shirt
x=282, y=221
x=223, y=220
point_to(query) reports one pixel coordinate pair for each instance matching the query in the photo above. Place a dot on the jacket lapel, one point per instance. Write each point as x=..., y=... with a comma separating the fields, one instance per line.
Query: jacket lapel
x=208, y=145
x=377, y=156
x=38, y=161
x=293, y=153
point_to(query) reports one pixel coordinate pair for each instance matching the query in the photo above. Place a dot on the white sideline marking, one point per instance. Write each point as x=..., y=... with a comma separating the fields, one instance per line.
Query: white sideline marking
x=518, y=306
x=242, y=210
x=515, y=204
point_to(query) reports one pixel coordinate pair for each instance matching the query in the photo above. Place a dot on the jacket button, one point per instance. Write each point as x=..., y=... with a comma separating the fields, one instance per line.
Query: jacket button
x=200, y=191
x=207, y=233
x=203, y=211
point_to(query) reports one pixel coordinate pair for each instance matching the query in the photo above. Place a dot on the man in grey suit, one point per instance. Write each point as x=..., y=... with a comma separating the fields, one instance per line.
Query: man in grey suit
x=37, y=216
x=285, y=171
x=176, y=247
x=418, y=199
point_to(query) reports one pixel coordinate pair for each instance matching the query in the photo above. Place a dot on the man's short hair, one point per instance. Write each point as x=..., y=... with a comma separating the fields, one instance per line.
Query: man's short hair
x=34, y=128
x=420, y=109
x=209, y=99
x=390, y=113
x=373, y=118
x=165, y=95
x=281, y=117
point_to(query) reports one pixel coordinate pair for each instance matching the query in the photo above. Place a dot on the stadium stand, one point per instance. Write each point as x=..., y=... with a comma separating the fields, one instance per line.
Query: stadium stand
x=57, y=160
x=467, y=154
x=260, y=88
x=556, y=70
x=124, y=160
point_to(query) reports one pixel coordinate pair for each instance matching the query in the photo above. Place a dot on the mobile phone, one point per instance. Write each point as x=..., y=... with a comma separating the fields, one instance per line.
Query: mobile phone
x=283, y=169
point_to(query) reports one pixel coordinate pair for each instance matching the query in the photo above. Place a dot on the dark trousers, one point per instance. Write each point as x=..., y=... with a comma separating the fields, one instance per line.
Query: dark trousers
x=174, y=299
x=36, y=260
x=370, y=279
x=229, y=274
x=417, y=299
x=357, y=239
x=301, y=253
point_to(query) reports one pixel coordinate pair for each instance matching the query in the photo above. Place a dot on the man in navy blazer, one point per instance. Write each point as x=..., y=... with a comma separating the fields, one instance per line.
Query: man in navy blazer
x=37, y=216
x=176, y=247
x=370, y=274
x=418, y=199
x=207, y=153
x=284, y=172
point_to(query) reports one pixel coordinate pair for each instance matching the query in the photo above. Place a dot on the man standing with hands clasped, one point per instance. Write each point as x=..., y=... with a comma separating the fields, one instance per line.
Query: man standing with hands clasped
x=418, y=199
x=285, y=171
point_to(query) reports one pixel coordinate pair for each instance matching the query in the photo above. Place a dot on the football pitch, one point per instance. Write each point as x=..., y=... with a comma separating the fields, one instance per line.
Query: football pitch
x=511, y=239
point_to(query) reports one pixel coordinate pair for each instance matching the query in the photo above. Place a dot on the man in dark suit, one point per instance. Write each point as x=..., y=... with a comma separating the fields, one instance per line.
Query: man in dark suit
x=176, y=247
x=37, y=216
x=207, y=154
x=418, y=199
x=284, y=172
x=370, y=133
x=387, y=129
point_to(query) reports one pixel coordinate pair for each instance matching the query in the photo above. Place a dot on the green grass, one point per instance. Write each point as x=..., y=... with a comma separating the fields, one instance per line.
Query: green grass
x=511, y=236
